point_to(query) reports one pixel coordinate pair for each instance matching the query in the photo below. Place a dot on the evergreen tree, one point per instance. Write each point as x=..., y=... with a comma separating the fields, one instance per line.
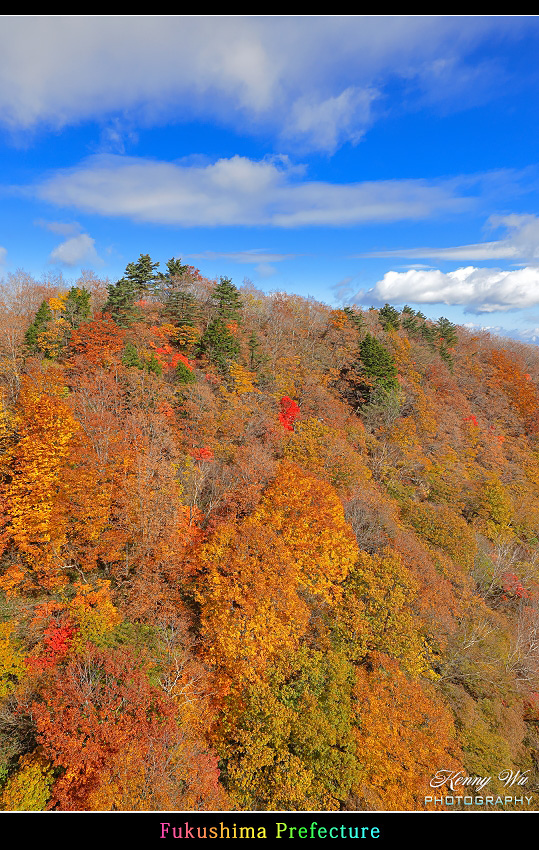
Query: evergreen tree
x=227, y=298
x=389, y=318
x=447, y=331
x=77, y=306
x=253, y=345
x=142, y=275
x=355, y=317
x=378, y=363
x=42, y=318
x=184, y=375
x=429, y=334
x=410, y=324
x=175, y=268
x=131, y=358
x=181, y=307
x=120, y=304
x=152, y=364
x=219, y=344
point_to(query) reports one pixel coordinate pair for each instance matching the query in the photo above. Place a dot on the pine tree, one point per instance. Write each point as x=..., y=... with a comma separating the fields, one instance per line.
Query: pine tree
x=175, y=268
x=184, y=375
x=388, y=317
x=219, y=344
x=42, y=318
x=253, y=345
x=142, y=275
x=131, y=358
x=378, y=363
x=77, y=306
x=120, y=304
x=228, y=300
x=355, y=317
x=447, y=331
x=181, y=307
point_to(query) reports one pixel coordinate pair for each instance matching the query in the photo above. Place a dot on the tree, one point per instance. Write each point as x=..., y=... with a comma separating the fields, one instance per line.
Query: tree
x=95, y=713
x=77, y=306
x=227, y=298
x=378, y=364
x=42, y=318
x=289, y=742
x=219, y=344
x=175, y=268
x=248, y=592
x=120, y=304
x=308, y=515
x=98, y=341
x=47, y=427
x=389, y=317
x=142, y=275
x=181, y=307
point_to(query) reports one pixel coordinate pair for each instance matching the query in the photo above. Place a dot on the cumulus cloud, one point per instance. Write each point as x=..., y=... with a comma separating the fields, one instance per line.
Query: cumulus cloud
x=481, y=290
x=76, y=250
x=312, y=78
x=521, y=241
x=241, y=191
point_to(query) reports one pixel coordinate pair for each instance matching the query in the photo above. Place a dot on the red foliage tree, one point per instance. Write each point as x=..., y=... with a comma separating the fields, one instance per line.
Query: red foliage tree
x=289, y=412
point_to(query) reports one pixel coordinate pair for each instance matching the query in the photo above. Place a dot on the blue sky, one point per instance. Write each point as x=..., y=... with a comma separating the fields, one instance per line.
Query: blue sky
x=354, y=159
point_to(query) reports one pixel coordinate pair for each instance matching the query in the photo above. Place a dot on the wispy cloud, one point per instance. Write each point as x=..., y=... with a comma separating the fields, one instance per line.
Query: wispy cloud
x=308, y=80
x=480, y=290
x=241, y=191
x=251, y=256
x=521, y=241
x=62, y=228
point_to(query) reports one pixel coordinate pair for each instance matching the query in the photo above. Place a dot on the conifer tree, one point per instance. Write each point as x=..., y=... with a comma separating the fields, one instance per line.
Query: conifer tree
x=219, y=344
x=447, y=331
x=142, y=274
x=253, y=345
x=131, y=358
x=388, y=317
x=181, y=307
x=355, y=317
x=42, y=318
x=378, y=363
x=227, y=298
x=77, y=306
x=120, y=304
x=175, y=268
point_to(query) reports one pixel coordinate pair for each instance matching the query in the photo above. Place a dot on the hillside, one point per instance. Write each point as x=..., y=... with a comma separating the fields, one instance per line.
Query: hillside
x=258, y=553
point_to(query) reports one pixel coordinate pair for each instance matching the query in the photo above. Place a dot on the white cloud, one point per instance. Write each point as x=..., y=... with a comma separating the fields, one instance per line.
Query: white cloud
x=253, y=255
x=240, y=191
x=521, y=241
x=310, y=78
x=482, y=290
x=3, y=254
x=326, y=124
x=63, y=228
x=76, y=250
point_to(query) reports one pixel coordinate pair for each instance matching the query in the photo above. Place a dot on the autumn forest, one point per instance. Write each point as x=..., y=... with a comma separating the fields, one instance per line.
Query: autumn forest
x=257, y=553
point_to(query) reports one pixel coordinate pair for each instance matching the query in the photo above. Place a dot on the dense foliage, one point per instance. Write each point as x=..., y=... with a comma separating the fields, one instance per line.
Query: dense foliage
x=256, y=553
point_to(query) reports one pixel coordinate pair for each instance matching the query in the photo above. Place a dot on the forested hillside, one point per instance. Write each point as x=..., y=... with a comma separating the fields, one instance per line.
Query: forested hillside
x=257, y=553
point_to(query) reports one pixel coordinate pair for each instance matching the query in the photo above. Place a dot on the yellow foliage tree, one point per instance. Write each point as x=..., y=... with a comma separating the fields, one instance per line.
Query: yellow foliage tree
x=46, y=427
x=308, y=516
